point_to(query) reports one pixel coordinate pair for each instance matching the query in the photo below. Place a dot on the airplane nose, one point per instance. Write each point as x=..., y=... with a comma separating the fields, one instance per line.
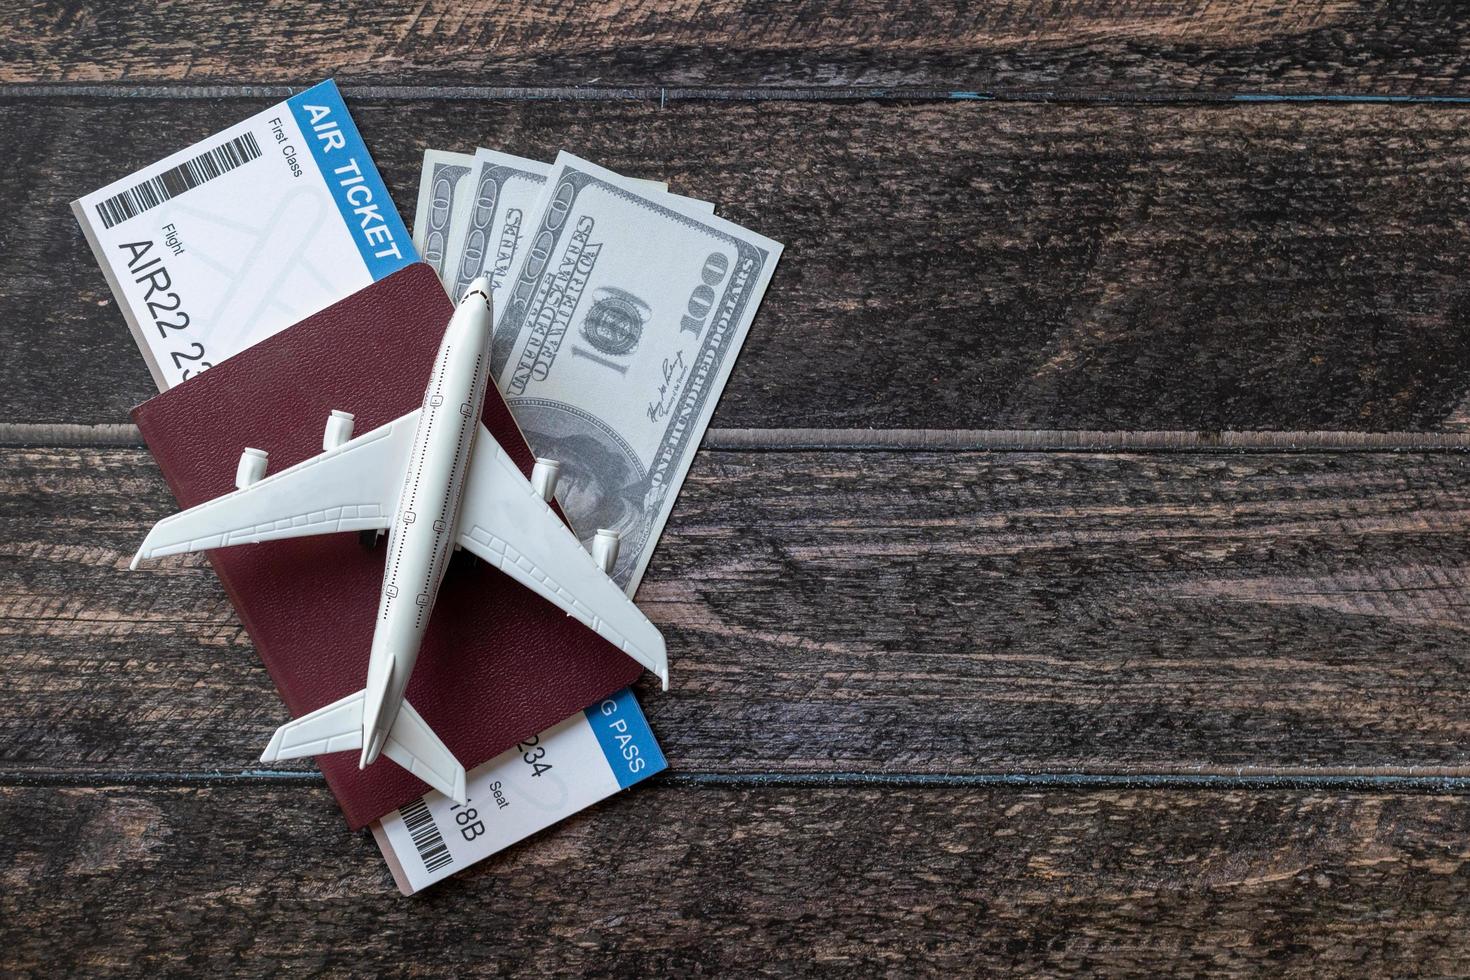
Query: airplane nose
x=480, y=285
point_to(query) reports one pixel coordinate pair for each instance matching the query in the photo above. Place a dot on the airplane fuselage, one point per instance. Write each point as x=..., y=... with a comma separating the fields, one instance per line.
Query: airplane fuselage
x=421, y=539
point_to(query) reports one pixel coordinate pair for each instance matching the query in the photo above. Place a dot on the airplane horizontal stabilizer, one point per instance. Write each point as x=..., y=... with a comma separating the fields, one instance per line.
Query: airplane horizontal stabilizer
x=414, y=746
x=335, y=728
x=338, y=728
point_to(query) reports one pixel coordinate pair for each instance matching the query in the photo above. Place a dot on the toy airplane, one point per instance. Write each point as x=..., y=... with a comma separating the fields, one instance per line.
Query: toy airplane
x=436, y=480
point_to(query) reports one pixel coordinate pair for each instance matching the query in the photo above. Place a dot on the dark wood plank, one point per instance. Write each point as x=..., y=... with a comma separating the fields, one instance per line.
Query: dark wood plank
x=877, y=612
x=694, y=881
x=972, y=266
x=1012, y=47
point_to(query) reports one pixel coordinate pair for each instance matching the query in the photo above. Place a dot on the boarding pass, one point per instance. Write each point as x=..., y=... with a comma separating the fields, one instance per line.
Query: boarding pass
x=539, y=782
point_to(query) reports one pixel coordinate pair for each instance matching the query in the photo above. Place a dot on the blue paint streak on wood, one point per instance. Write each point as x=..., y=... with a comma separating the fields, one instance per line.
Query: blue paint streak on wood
x=1347, y=782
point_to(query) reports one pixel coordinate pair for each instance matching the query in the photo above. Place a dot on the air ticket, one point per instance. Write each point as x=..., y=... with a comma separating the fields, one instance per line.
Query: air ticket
x=220, y=245
x=541, y=781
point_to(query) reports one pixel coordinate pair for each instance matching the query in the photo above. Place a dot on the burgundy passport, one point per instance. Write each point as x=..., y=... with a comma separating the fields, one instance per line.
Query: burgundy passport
x=498, y=664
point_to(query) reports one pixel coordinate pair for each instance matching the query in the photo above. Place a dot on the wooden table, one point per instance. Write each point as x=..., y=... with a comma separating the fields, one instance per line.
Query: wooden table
x=1074, y=578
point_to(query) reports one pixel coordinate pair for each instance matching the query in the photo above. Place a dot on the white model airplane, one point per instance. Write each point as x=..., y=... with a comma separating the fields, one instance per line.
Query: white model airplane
x=435, y=480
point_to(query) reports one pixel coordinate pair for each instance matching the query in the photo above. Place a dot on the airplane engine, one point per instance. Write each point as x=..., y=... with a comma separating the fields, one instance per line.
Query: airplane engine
x=605, y=548
x=543, y=477
x=339, y=429
x=251, y=467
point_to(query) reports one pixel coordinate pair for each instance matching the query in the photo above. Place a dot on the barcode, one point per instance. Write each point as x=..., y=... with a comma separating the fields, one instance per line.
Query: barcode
x=173, y=182
x=426, y=837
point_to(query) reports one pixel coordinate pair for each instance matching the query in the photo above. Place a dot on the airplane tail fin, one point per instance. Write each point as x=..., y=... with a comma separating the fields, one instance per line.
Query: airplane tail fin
x=414, y=746
x=338, y=728
x=380, y=674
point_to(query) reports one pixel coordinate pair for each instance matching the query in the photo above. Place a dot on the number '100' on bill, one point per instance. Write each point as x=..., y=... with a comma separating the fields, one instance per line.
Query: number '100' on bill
x=220, y=245
x=614, y=340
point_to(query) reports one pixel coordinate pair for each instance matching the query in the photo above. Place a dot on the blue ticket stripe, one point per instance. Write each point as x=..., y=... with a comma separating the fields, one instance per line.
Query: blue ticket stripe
x=626, y=740
x=362, y=199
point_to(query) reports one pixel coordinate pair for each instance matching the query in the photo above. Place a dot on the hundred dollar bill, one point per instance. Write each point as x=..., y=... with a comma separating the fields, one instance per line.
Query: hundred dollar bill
x=444, y=190
x=488, y=230
x=695, y=204
x=615, y=339
x=471, y=212
x=489, y=225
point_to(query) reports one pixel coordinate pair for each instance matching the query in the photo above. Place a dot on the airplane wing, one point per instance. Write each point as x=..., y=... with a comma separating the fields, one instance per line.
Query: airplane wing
x=338, y=728
x=505, y=522
x=353, y=487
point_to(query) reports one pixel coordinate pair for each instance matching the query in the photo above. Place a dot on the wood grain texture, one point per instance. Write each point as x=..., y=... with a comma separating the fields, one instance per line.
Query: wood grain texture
x=680, y=881
x=868, y=612
x=797, y=439
x=1014, y=47
x=947, y=266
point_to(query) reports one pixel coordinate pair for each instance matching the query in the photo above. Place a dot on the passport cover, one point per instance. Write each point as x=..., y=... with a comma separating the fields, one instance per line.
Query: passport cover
x=498, y=663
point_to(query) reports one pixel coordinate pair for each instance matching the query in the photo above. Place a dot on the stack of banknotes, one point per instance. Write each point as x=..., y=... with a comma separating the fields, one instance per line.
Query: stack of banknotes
x=620, y=309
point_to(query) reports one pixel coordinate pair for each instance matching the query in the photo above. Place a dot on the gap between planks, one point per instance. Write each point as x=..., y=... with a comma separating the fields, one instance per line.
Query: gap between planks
x=1400, y=780
x=666, y=94
x=58, y=435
